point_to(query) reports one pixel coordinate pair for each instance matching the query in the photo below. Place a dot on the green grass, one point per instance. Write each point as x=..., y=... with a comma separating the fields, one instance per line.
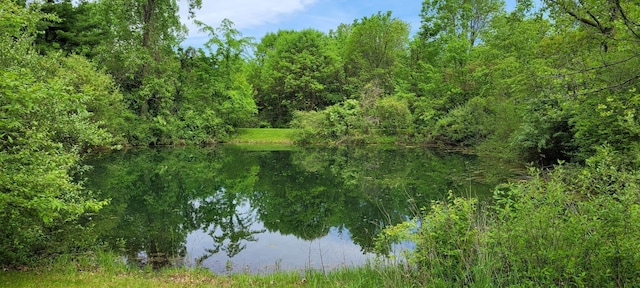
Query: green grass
x=108, y=271
x=264, y=147
x=383, y=140
x=278, y=138
x=263, y=136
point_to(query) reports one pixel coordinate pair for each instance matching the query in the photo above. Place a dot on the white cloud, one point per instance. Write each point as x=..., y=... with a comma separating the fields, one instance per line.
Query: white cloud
x=244, y=14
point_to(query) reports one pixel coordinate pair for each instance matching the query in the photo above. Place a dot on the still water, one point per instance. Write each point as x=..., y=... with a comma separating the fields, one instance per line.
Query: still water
x=243, y=209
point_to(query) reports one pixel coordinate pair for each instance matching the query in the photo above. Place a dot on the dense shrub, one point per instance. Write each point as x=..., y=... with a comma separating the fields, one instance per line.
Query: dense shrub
x=545, y=134
x=309, y=124
x=53, y=107
x=608, y=119
x=44, y=125
x=337, y=123
x=447, y=243
x=567, y=227
x=572, y=227
x=393, y=116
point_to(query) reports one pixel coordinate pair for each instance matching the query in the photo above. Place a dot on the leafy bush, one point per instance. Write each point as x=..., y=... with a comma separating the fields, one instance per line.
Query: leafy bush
x=394, y=116
x=43, y=127
x=309, y=124
x=545, y=135
x=337, y=123
x=468, y=124
x=51, y=110
x=567, y=227
x=608, y=119
x=574, y=227
x=446, y=242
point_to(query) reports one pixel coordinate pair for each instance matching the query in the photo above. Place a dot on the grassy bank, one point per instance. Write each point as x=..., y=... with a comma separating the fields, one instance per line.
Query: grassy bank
x=263, y=136
x=84, y=274
x=287, y=136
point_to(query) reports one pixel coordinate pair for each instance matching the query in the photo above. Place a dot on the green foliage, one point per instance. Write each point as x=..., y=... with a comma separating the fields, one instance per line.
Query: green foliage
x=297, y=70
x=610, y=119
x=394, y=116
x=546, y=133
x=309, y=126
x=372, y=46
x=175, y=96
x=342, y=120
x=574, y=229
x=337, y=123
x=505, y=73
x=447, y=242
x=573, y=226
x=76, y=30
x=17, y=32
x=233, y=96
x=201, y=127
x=357, y=121
x=468, y=124
x=52, y=108
x=426, y=111
x=468, y=19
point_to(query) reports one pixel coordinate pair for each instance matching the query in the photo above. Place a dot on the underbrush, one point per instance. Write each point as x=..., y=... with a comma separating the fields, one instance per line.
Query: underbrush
x=572, y=226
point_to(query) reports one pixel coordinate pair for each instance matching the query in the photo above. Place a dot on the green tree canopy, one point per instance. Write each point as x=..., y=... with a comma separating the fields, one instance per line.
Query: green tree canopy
x=298, y=70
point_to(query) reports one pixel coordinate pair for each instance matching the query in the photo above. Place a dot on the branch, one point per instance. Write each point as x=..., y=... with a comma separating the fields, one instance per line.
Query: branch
x=581, y=19
x=627, y=22
x=593, y=23
x=594, y=18
x=606, y=65
x=611, y=87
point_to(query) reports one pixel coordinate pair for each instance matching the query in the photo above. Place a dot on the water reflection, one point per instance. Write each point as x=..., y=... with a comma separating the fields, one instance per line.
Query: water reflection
x=230, y=209
x=274, y=251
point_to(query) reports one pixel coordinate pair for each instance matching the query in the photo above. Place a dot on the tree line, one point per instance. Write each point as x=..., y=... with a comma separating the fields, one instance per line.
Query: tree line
x=542, y=84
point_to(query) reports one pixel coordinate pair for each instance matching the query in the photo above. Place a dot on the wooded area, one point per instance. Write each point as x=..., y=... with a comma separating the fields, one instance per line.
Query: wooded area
x=531, y=85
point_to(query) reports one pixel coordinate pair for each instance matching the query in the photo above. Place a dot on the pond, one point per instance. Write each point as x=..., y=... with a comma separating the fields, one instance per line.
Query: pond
x=242, y=209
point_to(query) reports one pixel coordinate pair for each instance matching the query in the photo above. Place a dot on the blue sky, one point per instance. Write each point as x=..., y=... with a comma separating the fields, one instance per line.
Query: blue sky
x=255, y=18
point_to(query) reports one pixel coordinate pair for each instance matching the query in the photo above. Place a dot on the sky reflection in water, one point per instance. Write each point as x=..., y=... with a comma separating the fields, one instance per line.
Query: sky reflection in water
x=273, y=251
x=234, y=210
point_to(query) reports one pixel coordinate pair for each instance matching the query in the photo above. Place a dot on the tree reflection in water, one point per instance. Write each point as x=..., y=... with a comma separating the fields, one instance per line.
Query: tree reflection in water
x=160, y=196
x=227, y=222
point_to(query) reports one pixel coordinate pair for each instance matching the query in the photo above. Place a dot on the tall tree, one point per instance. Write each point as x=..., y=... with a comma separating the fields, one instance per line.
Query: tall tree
x=615, y=26
x=596, y=72
x=143, y=34
x=371, y=50
x=441, y=76
x=231, y=94
x=140, y=54
x=298, y=70
x=78, y=28
x=463, y=19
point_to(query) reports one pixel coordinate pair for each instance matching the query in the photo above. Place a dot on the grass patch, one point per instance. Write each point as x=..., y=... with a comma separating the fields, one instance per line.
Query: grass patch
x=264, y=147
x=383, y=139
x=263, y=136
x=100, y=271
